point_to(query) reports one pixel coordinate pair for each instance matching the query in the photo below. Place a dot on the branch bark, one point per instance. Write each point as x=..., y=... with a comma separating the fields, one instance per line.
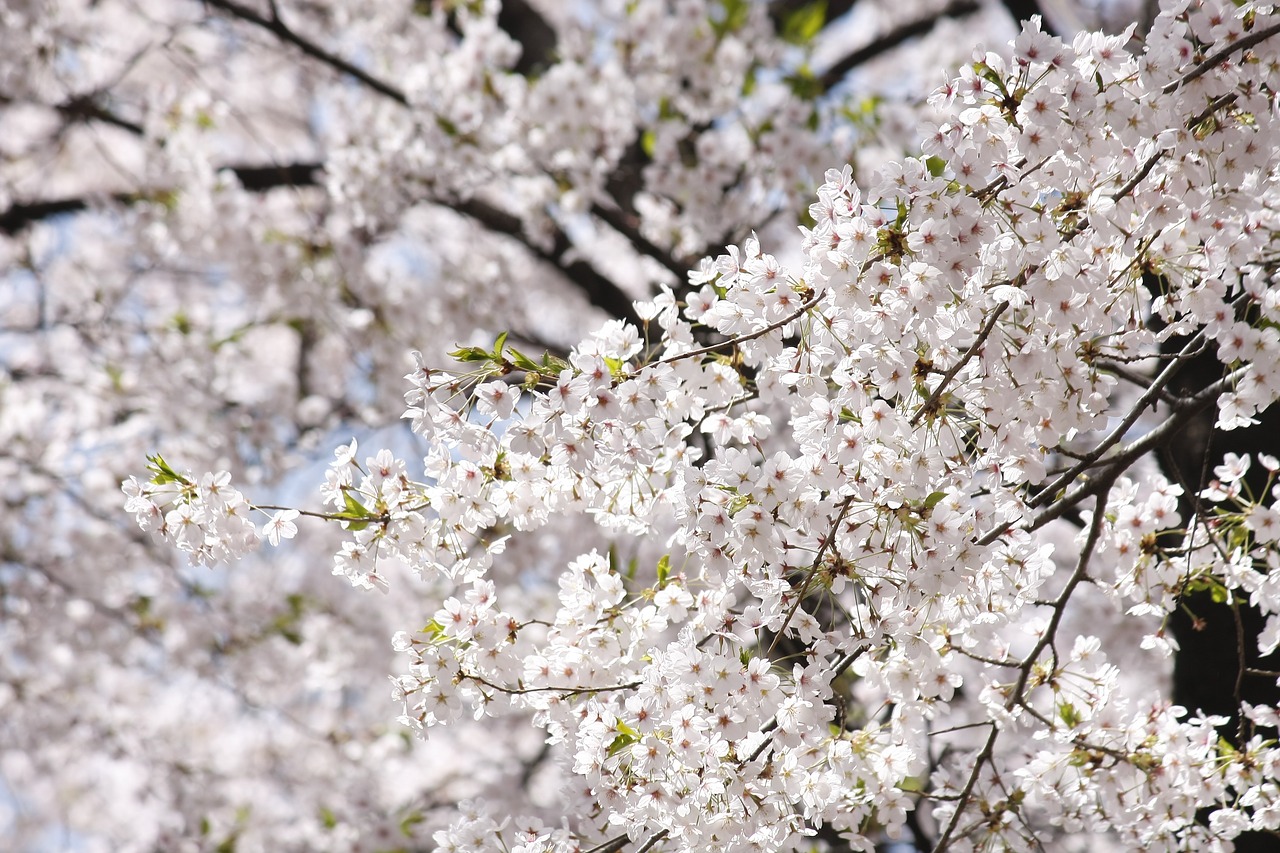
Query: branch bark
x=891, y=39
x=255, y=178
x=1024, y=10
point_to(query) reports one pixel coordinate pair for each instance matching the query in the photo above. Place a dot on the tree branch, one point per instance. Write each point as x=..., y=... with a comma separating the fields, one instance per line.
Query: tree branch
x=85, y=108
x=1214, y=60
x=891, y=39
x=622, y=223
x=929, y=406
x=277, y=27
x=982, y=758
x=1024, y=10
x=599, y=289
x=1148, y=398
x=252, y=178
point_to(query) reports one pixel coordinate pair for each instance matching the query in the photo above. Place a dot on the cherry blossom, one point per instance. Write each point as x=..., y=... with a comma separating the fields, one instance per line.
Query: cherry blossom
x=862, y=528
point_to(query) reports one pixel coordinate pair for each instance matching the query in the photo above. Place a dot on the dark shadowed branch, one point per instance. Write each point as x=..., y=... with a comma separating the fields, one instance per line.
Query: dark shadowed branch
x=276, y=26
x=1024, y=10
x=893, y=38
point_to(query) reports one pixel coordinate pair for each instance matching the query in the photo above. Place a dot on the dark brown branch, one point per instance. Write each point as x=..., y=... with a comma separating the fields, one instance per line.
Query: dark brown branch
x=19, y=216
x=613, y=845
x=1148, y=398
x=893, y=38
x=537, y=38
x=278, y=28
x=86, y=108
x=627, y=227
x=984, y=755
x=525, y=24
x=599, y=289
x=930, y=405
x=252, y=178
x=1187, y=409
x=1024, y=10
x=1222, y=56
x=262, y=178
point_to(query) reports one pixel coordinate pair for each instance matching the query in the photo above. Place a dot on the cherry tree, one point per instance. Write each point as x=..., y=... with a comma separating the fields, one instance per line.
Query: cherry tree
x=881, y=528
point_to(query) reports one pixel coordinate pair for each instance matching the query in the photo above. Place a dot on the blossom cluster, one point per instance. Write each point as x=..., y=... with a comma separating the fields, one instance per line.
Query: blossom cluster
x=222, y=224
x=940, y=362
x=857, y=464
x=207, y=519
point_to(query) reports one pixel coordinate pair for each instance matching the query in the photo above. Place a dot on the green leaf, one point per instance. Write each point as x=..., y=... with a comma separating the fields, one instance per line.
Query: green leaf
x=911, y=784
x=411, y=820
x=934, y=499
x=354, y=506
x=734, y=17
x=804, y=84
x=468, y=354
x=497, y=346
x=649, y=142
x=522, y=361
x=449, y=128
x=936, y=165
x=553, y=363
x=621, y=742
x=664, y=570
x=804, y=23
x=162, y=473
x=626, y=737
x=116, y=375
x=328, y=818
x=1068, y=714
x=353, y=513
x=866, y=114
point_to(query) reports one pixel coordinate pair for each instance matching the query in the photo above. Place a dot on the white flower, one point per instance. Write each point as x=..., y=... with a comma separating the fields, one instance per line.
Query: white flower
x=281, y=526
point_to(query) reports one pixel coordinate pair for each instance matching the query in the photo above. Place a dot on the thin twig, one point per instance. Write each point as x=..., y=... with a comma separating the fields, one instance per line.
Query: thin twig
x=733, y=342
x=813, y=571
x=563, y=691
x=891, y=39
x=1148, y=397
x=1216, y=59
x=985, y=332
x=648, y=845
x=613, y=845
x=1188, y=408
x=277, y=26
x=1060, y=604
x=982, y=758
